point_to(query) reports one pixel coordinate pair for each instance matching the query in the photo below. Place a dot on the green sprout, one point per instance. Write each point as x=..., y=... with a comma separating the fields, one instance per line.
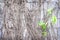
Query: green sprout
x=49, y=11
x=44, y=33
x=43, y=25
x=54, y=19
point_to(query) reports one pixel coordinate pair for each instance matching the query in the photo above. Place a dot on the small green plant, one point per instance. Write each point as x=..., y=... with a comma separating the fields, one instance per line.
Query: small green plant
x=44, y=33
x=54, y=19
x=49, y=11
x=43, y=25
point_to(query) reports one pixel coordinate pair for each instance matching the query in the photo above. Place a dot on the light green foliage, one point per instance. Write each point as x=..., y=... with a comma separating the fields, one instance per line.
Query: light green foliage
x=49, y=11
x=44, y=33
x=54, y=19
x=43, y=25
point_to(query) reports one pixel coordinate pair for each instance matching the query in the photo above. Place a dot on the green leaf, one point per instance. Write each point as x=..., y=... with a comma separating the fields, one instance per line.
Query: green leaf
x=49, y=11
x=44, y=33
x=54, y=19
x=40, y=23
x=43, y=25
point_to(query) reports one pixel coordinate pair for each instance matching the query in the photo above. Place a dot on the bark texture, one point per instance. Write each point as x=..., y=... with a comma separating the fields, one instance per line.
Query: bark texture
x=21, y=20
